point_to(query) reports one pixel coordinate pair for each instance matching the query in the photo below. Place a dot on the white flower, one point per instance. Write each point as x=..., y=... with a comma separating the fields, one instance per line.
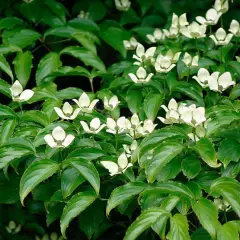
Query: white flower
x=13, y=228
x=83, y=15
x=28, y=1
x=238, y=58
x=222, y=204
x=85, y=104
x=122, y=125
x=53, y=236
x=192, y=115
x=95, y=126
x=220, y=84
x=194, y=30
x=142, y=55
x=130, y=149
x=67, y=112
x=58, y=138
x=157, y=36
x=117, y=168
x=190, y=61
x=199, y=132
x=122, y=5
x=165, y=64
x=142, y=130
x=173, y=32
x=221, y=6
x=131, y=44
x=221, y=37
x=212, y=17
x=18, y=95
x=111, y=104
x=141, y=76
x=235, y=28
x=180, y=21
x=172, y=115
x=202, y=77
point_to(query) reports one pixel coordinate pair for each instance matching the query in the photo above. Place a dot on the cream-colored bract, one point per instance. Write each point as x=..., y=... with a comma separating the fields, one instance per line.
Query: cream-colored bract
x=18, y=94
x=112, y=103
x=59, y=138
x=190, y=61
x=67, y=112
x=141, y=76
x=122, y=125
x=157, y=36
x=211, y=18
x=130, y=44
x=122, y=5
x=235, y=28
x=221, y=6
x=221, y=37
x=142, y=55
x=94, y=127
x=194, y=30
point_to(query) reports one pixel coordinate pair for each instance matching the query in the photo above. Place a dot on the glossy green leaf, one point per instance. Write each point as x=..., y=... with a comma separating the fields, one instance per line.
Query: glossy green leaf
x=4, y=88
x=70, y=71
x=69, y=93
x=35, y=174
x=191, y=166
x=134, y=99
x=78, y=203
x=5, y=67
x=6, y=112
x=7, y=130
x=5, y=49
x=228, y=231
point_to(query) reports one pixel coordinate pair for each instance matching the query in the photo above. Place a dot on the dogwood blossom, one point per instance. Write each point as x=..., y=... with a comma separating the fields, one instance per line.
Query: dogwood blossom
x=122, y=125
x=222, y=204
x=13, y=228
x=202, y=77
x=85, y=104
x=220, y=83
x=194, y=30
x=235, y=28
x=156, y=36
x=190, y=61
x=18, y=95
x=117, y=168
x=221, y=6
x=172, y=115
x=95, y=126
x=142, y=55
x=200, y=132
x=129, y=149
x=180, y=21
x=172, y=32
x=221, y=37
x=67, y=111
x=83, y=15
x=141, y=76
x=131, y=44
x=58, y=138
x=122, y=5
x=238, y=58
x=53, y=236
x=212, y=17
x=111, y=104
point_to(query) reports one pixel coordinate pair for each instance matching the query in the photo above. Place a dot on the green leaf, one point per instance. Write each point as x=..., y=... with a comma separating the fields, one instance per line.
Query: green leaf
x=207, y=214
x=134, y=98
x=36, y=116
x=20, y=37
x=4, y=49
x=191, y=166
x=143, y=222
x=229, y=150
x=6, y=112
x=87, y=170
x=35, y=174
x=123, y=193
x=62, y=31
x=228, y=231
x=22, y=67
x=4, y=88
x=201, y=234
x=70, y=71
x=163, y=154
x=70, y=180
x=77, y=204
x=228, y=188
x=87, y=57
x=151, y=105
x=178, y=228
x=69, y=93
x=84, y=24
x=10, y=22
x=5, y=67
x=235, y=92
x=7, y=130
x=114, y=37
x=206, y=150
x=48, y=64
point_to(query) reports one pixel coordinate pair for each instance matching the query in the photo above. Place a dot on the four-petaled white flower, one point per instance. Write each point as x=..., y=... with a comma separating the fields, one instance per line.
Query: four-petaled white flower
x=83, y=15
x=58, y=138
x=221, y=37
x=220, y=83
x=141, y=76
x=117, y=168
x=13, y=228
x=131, y=44
x=172, y=32
x=85, y=104
x=200, y=132
x=122, y=125
x=235, y=28
x=212, y=17
x=156, y=36
x=172, y=114
x=221, y=6
x=194, y=30
x=18, y=95
x=192, y=115
x=95, y=126
x=190, y=61
x=142, y=55
x=67, y=111
x=129, y=149
x=53, y=236
x=111, y=104
x=180, y=21
x=122, y=5
x=202, y=77
x=147, y=127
